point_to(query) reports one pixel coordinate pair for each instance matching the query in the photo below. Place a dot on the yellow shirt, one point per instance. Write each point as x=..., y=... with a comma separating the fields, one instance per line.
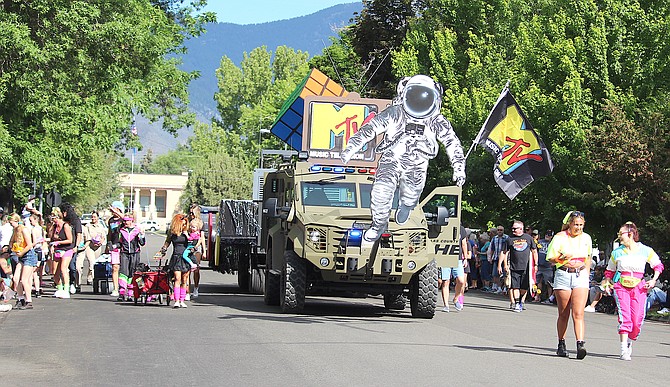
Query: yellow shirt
x=577, y=247
x=17, y=247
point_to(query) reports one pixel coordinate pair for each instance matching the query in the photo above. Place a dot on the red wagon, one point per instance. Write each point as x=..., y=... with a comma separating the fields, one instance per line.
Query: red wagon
x=149, y=285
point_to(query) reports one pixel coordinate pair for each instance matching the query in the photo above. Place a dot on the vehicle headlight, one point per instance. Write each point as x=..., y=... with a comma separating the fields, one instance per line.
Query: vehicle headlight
x=315, y=236
x=324, y=262
x=411, y=265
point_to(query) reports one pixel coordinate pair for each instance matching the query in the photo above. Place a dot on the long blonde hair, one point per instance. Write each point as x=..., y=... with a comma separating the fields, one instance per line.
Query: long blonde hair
x=17, y=235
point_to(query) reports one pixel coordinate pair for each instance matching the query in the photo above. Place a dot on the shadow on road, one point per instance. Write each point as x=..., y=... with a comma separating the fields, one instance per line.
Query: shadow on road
x=529, y=350
x=331, y=309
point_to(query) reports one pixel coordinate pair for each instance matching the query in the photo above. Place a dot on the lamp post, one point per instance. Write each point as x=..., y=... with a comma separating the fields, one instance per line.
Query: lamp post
x=131, y=199
x=260, y=148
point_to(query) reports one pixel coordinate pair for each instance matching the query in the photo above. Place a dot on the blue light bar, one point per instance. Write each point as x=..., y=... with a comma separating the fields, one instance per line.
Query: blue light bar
x=338, y=169
x=354, y=237
x=315, y=168
x=327, y=169
x=349, y=170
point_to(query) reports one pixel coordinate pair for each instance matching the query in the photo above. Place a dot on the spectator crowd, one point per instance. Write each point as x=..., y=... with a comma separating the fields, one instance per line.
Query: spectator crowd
x=39, y=252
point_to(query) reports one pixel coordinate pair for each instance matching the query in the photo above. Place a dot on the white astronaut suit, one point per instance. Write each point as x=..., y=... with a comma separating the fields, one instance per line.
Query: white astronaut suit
x=411, y=126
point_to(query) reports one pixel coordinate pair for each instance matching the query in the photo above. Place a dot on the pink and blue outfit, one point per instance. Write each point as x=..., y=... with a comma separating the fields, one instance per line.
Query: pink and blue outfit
x=626, y=270
x=193, y=239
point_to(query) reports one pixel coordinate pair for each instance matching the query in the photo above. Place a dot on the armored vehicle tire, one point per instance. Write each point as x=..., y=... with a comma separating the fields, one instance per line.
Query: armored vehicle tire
x=271, y=292
x=243, y=273
x=423, y=292
x=394, y=301
x=293, y=283
x=256, y=281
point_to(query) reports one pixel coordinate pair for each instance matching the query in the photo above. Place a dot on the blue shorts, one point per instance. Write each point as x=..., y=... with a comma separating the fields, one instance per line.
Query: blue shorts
x=486, y=270
x=494, y=269
x=29, y=259
x=447, y=273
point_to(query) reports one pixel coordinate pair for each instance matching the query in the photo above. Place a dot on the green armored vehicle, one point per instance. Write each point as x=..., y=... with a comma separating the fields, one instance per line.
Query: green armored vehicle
x=315, y=211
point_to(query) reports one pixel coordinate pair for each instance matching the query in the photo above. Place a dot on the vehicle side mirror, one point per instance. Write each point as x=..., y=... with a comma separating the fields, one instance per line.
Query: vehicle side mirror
x=270, y=208
x=442, y=216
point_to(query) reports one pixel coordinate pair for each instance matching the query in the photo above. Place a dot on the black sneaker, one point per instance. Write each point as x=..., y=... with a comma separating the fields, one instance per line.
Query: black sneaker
x=561, y=351
x=581, y=351
x=120, y=299
x=39, y=294
x=20, y=304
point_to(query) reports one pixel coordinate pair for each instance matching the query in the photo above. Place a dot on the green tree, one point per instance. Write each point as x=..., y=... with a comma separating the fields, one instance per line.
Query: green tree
x=340, y=62
x=73, y=75
x=249, y=99
x=378, y=30
x=219, y=176
x=146, y=161
x=590, y=75
x=174, y=162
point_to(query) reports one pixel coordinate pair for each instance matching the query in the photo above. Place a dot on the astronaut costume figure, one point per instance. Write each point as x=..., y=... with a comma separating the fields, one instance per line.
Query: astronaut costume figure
x=411, y=127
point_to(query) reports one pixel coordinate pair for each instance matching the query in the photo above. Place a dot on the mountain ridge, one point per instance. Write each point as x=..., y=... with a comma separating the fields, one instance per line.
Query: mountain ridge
x=309, y=33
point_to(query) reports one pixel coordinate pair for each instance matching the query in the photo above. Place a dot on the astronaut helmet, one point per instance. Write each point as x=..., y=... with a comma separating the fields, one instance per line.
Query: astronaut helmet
x=420, y=96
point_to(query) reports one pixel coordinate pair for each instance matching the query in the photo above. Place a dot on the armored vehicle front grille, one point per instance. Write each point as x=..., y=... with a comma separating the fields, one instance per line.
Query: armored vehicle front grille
x=417, y=241
x=317, y=238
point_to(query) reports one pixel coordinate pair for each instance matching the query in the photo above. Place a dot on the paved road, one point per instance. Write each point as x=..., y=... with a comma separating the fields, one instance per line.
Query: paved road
x=227, y=337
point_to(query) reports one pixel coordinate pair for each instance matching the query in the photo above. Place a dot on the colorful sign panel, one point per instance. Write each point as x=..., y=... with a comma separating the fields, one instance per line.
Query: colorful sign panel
x=331, y=121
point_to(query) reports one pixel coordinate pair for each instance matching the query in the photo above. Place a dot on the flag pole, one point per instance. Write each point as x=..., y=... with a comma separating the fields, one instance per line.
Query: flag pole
x=477, y=138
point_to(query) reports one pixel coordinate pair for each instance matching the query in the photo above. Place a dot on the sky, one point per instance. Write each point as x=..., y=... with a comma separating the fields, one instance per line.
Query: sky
x=262, y=11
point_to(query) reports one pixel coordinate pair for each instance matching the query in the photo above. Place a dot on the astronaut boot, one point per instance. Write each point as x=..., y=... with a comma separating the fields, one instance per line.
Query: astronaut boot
x=402, y=214
x=372, y=234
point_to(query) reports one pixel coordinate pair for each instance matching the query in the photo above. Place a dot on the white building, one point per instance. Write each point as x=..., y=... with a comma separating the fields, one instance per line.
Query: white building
x=157, y=196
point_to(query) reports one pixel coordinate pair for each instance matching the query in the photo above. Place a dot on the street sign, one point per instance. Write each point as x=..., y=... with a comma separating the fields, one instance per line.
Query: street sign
x=53, y=198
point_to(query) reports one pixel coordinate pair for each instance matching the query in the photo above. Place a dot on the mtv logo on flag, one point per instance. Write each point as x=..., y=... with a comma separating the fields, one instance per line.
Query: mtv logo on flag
x=520, y=154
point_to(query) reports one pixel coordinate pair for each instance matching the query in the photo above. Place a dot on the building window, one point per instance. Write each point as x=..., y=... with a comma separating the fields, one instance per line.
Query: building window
x=161, y=198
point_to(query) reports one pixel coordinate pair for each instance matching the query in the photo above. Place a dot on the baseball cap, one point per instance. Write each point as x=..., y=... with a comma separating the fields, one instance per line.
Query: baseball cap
x=119, y=205
x=31, y=197
x=2, y=210
x=535, y=232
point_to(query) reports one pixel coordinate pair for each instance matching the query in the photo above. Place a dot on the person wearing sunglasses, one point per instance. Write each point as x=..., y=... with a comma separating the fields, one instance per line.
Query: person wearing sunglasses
x=520, y=249
x=570, y=252
x=626, y=270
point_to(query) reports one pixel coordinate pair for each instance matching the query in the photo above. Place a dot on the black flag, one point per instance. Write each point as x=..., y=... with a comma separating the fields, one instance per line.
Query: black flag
x=520, y=154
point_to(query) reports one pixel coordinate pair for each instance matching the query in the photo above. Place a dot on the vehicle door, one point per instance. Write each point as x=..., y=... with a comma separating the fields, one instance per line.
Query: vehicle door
x=442, y=209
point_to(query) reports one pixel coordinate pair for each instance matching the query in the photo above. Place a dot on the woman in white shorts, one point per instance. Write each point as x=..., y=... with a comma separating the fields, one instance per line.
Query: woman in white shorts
x=570, y=252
